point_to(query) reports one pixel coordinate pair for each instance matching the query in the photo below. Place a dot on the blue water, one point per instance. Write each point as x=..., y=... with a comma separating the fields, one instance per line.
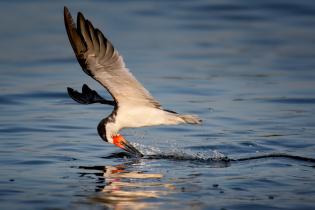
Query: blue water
x=247, y=68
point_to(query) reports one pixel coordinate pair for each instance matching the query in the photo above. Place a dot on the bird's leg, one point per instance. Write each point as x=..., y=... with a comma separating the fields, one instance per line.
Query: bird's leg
x=88, y=96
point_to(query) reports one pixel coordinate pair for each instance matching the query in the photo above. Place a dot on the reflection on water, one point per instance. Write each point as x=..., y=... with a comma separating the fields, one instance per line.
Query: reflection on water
x=131, y=185
x=121, y=188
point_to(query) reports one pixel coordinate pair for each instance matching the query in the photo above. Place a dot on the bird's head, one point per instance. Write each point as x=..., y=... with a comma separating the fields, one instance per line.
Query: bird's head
x=108, y=133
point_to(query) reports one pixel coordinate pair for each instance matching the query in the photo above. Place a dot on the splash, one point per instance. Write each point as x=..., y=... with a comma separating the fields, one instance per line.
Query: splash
x=151, y=152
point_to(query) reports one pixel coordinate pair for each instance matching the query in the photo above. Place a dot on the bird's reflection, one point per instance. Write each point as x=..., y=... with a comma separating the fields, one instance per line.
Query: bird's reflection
x=129, y=186
x=122, y=187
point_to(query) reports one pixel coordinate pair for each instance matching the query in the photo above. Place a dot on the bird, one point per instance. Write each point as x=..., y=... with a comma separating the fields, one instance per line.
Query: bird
x=134, y=106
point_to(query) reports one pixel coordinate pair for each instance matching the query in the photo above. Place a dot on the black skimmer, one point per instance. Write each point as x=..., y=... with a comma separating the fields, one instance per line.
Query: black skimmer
x=133, y=105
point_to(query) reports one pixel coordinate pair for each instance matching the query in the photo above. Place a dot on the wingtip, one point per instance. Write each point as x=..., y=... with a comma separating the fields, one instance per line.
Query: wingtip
x=67, y=17
x=74, y=35
x=85, y=88
x=80, y=21
x=65, y=9
x=80, y=17
x=66, y=12
x=69, y=90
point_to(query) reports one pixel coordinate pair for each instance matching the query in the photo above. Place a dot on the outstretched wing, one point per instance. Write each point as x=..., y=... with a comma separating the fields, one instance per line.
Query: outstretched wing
x=88, y=96
x=100, y=60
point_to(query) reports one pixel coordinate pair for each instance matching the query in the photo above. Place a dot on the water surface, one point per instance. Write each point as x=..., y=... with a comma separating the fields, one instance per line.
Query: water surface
x=246, y=67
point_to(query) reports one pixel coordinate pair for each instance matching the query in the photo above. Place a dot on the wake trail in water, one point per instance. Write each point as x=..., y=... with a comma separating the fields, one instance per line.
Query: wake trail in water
x=179, y=154
x=276, y=155
x=210, y=156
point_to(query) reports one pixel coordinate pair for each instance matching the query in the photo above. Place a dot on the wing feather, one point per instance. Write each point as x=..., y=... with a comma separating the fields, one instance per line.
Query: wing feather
x=95, y=42
x=100, y=60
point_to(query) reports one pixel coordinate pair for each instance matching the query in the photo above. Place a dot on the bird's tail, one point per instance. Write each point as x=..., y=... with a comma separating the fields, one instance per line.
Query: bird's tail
x=190, y=119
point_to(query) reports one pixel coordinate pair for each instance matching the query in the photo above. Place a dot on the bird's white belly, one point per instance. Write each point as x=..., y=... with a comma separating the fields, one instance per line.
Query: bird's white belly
x=140, y=117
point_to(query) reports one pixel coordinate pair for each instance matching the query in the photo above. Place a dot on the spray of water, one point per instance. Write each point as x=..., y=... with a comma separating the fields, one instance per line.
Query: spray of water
x=175, y=153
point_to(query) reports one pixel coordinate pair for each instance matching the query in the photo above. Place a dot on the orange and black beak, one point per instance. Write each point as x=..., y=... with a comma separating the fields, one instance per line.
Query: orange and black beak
x=122, y=143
